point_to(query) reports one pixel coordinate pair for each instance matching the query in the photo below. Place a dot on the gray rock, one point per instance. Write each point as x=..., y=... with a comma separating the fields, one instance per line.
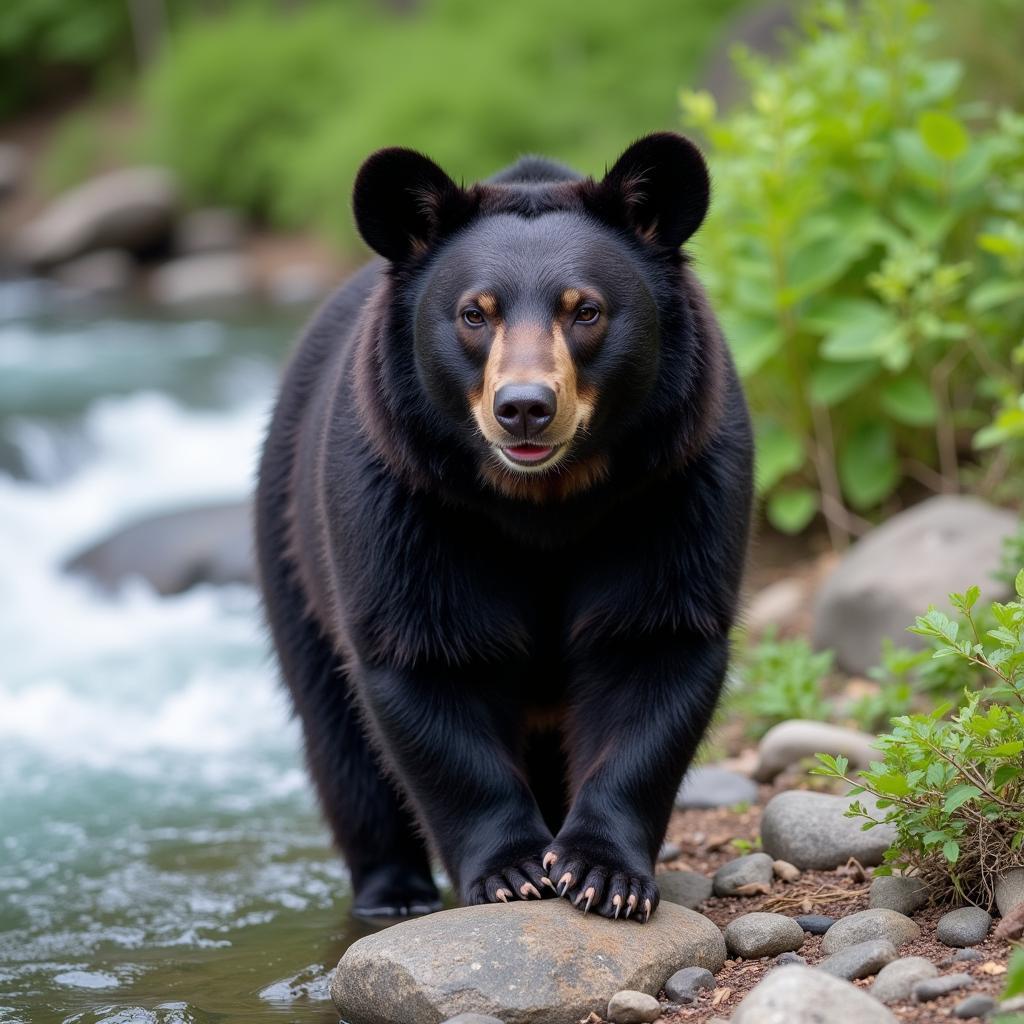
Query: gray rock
x=816, y=924
x=128, y=209
x=747, y=870
x=1009, y=890
x=789, y=958
x=629, y=1007
x=12, y=163
x=213, y=229
x=870, y=924
x=914, y=559
x=473, y=1018
x=686, y=985
x=895, y=982
x=685, y=888
x=1014, y=1005
x=755, y=935
x=966, y=926
x=932, y=988
x=790, y=742
x=538, y=962
x=860, y=960
x=297, y=284
x=202, y=280
x=786, y=871
x=709, y=786
x=974, y=1006
x=803, y=995
x=175, y=550
x=965, y=955
x=894, y=892
x=810, y=830
x=669, y=851
x=98, y=273
x=777, y=604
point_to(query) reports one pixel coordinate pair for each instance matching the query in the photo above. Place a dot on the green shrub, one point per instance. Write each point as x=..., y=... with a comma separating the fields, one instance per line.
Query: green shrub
x=954, y=788
x=274, y=113
x=865, y=248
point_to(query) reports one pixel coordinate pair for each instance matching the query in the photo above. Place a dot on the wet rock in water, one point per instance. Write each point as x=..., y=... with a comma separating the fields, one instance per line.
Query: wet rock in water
x=974, y=1006
x=914, y=559
x=128, y=209
x=537, y=962
x=709, y=786
x=175, y=550
x=895, y=982
x=810, y=830
x=98, y=273
x=211, y=229
x=894, y=892
x=803, y=995
x=205, y=279
x=816, y=924
x=860, y=960
x=759, y=934
x=1009, y=890
x=790, y=742
x=628, y=1007
x=870, y=924
x=751, y=869
x=685, y=986
x=966, y=926
x=685, y=888
x=933, y=988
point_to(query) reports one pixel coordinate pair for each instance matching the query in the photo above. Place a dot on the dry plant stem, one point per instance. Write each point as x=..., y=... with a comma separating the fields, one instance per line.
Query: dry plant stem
x=840, y=521
x=824, y=894
x=945, y=431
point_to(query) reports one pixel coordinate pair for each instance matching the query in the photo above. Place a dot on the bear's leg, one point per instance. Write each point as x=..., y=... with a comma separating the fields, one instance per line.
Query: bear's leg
x=386, y=855
x=638, y=710
x=453, y=745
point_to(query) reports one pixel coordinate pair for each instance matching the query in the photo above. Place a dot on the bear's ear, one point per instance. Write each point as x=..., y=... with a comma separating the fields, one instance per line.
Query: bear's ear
x=661, y=186
x=403, y=202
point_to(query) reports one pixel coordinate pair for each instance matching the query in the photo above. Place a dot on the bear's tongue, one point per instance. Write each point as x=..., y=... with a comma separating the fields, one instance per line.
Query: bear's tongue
x=529, y=452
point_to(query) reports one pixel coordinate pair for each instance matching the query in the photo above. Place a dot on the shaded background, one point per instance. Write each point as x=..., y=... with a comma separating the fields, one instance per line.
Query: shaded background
x=174, y=182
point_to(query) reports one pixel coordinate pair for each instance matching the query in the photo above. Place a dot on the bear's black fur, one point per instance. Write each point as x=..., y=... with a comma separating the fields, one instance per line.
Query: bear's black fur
x=502, y=518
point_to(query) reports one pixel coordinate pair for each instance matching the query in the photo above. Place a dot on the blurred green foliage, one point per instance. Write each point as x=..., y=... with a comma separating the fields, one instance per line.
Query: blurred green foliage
x=866, y=247
x=274, y=113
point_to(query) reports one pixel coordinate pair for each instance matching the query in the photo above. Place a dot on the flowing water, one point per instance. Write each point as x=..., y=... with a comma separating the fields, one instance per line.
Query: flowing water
x=161, y=856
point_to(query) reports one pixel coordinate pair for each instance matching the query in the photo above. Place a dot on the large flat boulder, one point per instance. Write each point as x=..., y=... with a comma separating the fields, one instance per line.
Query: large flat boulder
x=173, y=551
x=893, y=573
x=537, y=962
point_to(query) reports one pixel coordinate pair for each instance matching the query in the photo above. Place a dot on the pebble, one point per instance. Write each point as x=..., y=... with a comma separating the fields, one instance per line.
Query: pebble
x=710, y=786
x=685, y=888
x=789, y=742
x=629, y=1007
x=870, y=924
x=669, y=851
x=810, y=830
x=786, y=871
x=759, y=934
x=974, y=1006
x=894, y=892
x=1009, y=890
x=965, y=954
x=803, y=995
x=932, y=988
x=816, y=924
x=790, y=958
x=685, y=986
x=896, y=980
x=752, y=869
x=966, y=926
x=860, y=960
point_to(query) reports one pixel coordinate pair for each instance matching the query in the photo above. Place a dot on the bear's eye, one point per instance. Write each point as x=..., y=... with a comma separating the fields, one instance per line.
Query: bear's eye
x=473, y=317
x=587, y=313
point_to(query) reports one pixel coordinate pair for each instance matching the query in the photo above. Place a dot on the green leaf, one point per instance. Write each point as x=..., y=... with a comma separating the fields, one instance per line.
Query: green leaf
x=830, y=383
x=818, y=264
x=1006, y=773
x=871, y=335
x=753, y=339
x=1015, y=975
x=868, y=467
x=909, y=400
x=951, y=851
x=943, y=134
x=1018, y=584
x=995, y=292
x=958, y=796
x=828, y=313
x=779, y=452
x=791, y=510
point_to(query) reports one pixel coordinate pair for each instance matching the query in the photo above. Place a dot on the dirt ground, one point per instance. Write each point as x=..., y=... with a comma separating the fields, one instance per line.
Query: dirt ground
x=705, y=840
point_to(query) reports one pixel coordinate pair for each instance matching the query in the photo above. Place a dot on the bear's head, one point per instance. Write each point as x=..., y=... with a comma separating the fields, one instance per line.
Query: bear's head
x=533, y=315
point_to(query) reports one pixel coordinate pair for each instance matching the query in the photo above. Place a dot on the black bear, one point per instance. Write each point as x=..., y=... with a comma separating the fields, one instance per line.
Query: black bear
x=502, y=519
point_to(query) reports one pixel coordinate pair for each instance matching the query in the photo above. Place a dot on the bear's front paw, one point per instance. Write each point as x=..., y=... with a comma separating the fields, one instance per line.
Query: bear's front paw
x=522, y=880
x=595, y=876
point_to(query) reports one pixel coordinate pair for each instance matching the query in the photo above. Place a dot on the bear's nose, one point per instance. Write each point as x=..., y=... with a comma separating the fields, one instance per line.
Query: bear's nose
x=524, y=409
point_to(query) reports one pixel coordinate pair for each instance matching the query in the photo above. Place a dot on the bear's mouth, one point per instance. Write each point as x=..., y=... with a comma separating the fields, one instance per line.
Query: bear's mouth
x=528, y=455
